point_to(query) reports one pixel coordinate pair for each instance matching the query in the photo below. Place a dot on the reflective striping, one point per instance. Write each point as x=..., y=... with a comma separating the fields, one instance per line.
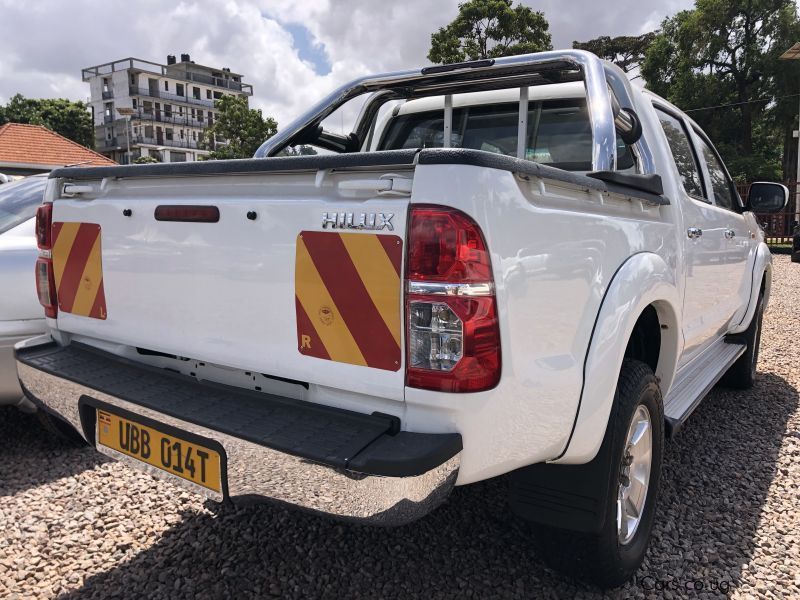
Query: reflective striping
x=393, y=246
x=355, y=305
x=89, y=283
x=63, y=238
x=78, y=270
x=308, y=341
x=378, y=275
x=318, y=305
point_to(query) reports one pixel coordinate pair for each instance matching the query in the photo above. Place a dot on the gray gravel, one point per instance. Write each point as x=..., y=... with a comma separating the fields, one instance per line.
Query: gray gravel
x=77, y=525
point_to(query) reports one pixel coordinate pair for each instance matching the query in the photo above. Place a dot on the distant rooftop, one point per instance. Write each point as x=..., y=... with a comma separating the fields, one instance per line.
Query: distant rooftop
x=185, y=69
x=28, y=145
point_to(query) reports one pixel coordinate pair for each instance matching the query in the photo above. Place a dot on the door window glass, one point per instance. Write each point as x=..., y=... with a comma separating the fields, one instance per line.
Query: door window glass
x=720, y=184
x=682, y=153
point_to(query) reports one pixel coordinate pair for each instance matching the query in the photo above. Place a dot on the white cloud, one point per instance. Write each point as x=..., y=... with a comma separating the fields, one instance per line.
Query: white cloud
x=44, y=44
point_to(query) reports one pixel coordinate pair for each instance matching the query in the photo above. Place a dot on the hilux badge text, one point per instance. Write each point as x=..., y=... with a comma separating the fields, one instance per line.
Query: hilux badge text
x=348, y=220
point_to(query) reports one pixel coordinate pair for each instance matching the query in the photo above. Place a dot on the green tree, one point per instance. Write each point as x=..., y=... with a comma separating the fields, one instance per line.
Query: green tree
x=65, y=117
x=244, y=129
x=489, y=29
x=146, y=160
x=725, y=52
x=627, y=51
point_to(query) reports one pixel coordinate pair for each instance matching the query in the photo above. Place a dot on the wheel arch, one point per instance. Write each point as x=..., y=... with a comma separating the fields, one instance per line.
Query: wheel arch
x=643, y=283
x=761, y=281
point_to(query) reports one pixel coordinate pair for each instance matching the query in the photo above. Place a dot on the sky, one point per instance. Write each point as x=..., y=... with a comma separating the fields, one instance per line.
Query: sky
x=293, y=52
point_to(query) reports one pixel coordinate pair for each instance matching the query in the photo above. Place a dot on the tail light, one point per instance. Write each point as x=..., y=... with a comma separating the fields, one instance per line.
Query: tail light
x=45, y=280
x=46, y=286
x=453, y=338
x=44, y=226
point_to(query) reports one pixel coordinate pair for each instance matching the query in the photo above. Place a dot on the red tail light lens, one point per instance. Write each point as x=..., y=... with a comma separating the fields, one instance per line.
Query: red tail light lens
x=446, y=245
x=452, y=338
x=46, y=286
x=44, y=226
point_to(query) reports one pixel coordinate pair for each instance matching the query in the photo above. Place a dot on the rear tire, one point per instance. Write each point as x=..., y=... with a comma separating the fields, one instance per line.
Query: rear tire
x=59, y=428
x=610, y=557
x=742, y=374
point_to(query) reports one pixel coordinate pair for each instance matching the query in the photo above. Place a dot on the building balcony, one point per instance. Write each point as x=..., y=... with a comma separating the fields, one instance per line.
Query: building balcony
x=185, y=144
x=108, y=95
x=137, y=91
x=105, y=144
x=173, y=119
x=108, y=118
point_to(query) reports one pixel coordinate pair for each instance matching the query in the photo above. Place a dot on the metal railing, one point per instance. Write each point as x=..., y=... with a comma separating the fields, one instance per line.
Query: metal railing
x=173, y=143
x=137, y=91
x=171, y=119
x=609, y=96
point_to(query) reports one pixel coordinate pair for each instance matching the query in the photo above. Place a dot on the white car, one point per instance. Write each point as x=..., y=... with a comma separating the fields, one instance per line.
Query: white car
x=541, y=281
x=21, y=315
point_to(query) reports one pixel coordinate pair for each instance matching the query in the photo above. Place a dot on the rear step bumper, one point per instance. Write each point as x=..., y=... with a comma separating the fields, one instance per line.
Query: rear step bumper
x=323, y=459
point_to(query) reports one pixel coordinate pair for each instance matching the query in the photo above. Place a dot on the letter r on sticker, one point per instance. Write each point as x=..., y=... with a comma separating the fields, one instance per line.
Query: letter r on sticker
x=305, y=342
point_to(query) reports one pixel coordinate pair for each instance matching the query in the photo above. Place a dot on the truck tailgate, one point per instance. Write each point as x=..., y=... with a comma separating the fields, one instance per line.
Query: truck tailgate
x=299, y=278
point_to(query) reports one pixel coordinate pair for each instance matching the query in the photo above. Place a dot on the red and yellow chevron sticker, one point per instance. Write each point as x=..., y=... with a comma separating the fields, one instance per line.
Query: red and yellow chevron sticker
x=347, y=297
x=78, y=269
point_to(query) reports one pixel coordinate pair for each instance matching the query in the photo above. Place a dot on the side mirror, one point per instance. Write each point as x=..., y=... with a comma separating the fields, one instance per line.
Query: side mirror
x=765, y=197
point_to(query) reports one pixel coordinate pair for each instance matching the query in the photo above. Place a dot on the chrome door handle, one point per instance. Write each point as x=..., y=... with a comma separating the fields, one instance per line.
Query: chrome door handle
x=694, y=232
x=730, y=234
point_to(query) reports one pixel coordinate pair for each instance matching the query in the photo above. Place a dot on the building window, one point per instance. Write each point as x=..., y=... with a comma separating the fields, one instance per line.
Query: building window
x=179, y=89
x=134, y=102
x=133, y=79
x=148, y=131
x=166, y=86
x=217, y=95
x=182, y=134
x=168, y=110
x=196, y=93
x=194, y=136
x=208, y=94
x=169, y=134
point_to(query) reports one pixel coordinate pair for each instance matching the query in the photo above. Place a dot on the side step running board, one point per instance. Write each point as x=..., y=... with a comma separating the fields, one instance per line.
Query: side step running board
x=696, y=380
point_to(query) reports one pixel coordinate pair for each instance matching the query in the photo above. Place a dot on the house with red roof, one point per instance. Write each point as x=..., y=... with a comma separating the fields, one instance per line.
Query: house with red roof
x=29, y=149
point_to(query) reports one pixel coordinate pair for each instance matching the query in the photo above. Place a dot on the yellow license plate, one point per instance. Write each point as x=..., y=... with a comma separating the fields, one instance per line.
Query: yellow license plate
x=168, y=453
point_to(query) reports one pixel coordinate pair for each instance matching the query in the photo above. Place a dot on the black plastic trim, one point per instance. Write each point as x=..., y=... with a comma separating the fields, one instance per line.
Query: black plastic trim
x=651, y=184
x=480, y=158
x=471, y=64
x=355, y=441
x=246, y=165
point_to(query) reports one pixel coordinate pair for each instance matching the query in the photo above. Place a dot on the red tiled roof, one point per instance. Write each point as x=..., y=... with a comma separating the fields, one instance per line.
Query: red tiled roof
x=37, y=145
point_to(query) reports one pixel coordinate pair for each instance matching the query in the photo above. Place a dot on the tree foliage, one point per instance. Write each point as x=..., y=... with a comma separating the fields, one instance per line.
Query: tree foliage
x=70, y=119
x=146, y=160
x=489, y=29
x=627, y=51
x=244, y=128
x=725, y=52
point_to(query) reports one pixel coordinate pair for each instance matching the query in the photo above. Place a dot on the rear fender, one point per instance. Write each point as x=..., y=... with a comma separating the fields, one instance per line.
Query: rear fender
x=762, y=271
x=642, y=280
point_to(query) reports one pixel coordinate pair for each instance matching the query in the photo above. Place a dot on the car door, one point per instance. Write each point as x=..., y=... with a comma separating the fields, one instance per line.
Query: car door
x=739, y=241
x=701, y=235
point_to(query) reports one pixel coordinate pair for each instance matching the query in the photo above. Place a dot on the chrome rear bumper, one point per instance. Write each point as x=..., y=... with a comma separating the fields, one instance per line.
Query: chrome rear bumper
x=392, y=480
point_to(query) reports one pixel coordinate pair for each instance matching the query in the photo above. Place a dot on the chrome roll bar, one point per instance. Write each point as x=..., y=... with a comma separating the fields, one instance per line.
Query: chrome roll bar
x=609, y=96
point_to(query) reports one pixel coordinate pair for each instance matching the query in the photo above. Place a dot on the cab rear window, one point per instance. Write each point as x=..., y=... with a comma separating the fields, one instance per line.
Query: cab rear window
x=559, y=132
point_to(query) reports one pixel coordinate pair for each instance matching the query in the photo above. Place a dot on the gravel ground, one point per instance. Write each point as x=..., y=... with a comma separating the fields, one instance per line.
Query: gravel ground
x=77, y=525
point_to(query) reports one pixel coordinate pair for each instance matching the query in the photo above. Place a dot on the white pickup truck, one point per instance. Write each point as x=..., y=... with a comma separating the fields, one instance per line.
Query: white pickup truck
x=516, y=266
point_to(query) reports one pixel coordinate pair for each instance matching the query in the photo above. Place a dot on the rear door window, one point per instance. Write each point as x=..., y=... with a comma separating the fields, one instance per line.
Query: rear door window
x=683, y=154
x=721, y=185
